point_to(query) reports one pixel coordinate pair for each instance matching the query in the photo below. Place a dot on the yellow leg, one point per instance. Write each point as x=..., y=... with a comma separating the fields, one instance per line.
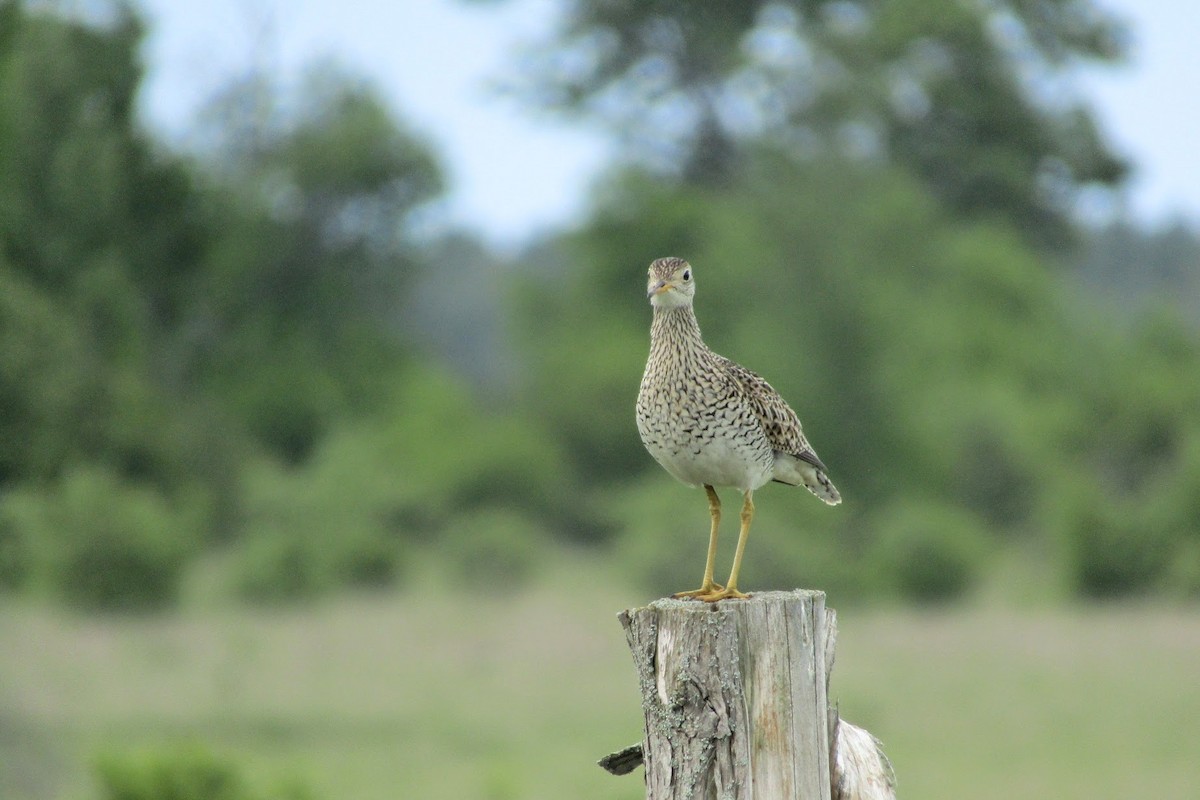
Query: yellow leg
x=707, y=586
x=731, y=590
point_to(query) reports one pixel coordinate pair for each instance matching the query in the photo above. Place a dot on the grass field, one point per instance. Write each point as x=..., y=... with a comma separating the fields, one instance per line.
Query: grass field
x=443, y=696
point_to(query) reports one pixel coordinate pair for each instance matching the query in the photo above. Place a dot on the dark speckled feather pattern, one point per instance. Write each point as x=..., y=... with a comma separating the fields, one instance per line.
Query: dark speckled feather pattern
x=709, y=420
x=776, y=417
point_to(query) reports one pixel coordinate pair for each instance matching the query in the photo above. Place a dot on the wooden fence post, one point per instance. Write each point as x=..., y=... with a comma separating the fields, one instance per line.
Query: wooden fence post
x=735, y=696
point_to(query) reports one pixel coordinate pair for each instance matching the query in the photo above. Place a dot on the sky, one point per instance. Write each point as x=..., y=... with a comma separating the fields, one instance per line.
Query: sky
x=513, y=173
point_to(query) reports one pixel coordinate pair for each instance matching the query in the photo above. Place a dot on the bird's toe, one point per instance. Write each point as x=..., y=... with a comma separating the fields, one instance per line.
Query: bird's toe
x=728, y=593
x=701, y=593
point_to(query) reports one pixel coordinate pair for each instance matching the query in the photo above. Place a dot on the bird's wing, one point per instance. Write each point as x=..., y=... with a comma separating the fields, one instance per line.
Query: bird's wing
x=777, y=418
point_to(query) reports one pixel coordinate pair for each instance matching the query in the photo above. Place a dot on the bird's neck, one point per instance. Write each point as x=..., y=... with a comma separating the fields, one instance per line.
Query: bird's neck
x=675, y=328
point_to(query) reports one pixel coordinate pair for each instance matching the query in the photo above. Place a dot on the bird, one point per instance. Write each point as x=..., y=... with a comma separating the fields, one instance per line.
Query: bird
x=711, y=422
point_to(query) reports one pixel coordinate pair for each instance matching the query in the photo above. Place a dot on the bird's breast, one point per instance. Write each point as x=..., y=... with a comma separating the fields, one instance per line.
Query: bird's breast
x=694, y=424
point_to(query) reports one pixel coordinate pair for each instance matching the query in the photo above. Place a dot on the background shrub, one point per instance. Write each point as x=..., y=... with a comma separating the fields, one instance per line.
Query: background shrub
x=311, y=530
x=927, y=551
x=494, y=548
x=181, y=773
x=1114, y=548
x=16, y=556
x=97, y=542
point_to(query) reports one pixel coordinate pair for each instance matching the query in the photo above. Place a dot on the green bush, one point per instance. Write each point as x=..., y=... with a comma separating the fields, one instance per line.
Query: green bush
x=1183, y=574
x=16, y=550
x=1174, y=514
x=44, y=393
x=98, y=542
x=1113, y=549
x=273, y=567
x=276, y=565
x=370, y=560
x=432, y=470
x=311, y=530
x=439, y=454
x=926, y=551
x=494, y=548
x=181, y=773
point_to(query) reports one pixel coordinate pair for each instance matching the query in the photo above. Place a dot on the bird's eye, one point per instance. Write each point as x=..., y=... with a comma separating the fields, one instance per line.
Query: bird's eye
x=687, y=274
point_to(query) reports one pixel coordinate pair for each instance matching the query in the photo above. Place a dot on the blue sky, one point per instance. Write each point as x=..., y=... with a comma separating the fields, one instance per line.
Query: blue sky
x=511, y=173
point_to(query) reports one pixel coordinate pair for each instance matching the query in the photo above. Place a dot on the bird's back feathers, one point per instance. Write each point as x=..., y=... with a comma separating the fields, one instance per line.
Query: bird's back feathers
x=796, y=463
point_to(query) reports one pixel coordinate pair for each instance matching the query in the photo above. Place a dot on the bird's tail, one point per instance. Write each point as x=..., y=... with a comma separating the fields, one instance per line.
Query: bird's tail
x=823, y=488
x=798, y=472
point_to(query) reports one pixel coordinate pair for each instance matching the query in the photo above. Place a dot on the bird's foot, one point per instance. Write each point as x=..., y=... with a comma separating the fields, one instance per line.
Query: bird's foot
x=706, y=589
x=720, y=593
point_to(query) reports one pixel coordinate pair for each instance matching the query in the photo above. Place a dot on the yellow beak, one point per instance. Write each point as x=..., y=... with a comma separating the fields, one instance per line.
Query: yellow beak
x=659, y=288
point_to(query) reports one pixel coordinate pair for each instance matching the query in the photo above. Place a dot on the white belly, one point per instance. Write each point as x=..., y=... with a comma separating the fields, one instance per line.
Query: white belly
x=712, y=454
x=716, y=463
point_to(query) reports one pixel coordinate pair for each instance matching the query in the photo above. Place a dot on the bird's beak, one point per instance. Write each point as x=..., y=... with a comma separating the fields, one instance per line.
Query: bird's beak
x=658, y=288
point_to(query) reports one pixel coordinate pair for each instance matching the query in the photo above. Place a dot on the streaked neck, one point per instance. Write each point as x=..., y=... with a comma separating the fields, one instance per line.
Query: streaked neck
x=674, y=325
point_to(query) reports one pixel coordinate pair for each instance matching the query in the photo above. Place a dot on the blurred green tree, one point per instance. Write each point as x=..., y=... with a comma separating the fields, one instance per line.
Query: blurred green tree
x=270, y=292
x=162, y=318
x=296, y=314
x=971, y=98
x=96, y=230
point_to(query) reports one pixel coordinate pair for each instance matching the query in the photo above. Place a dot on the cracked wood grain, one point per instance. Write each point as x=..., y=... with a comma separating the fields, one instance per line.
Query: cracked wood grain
x=735, y=696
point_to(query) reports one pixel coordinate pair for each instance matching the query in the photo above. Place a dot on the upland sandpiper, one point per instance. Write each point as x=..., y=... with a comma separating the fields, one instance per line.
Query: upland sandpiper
x=711, y=422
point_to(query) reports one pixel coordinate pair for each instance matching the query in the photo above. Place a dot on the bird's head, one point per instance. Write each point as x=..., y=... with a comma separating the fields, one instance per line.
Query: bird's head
x=670, y=284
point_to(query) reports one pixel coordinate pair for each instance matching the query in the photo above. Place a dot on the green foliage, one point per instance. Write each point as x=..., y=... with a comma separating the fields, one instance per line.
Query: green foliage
x=99, y=236
x=185, y=774
x=98, y=542
x=307, y=533
x=494, y=549
x=172, y=319
x=277, y=567
x=308, y=259
x=663, y=537
x=1130, y=525
x=438, y=453
x=928, y=85
x=299, y=564
x=181, y=772
x=435, y=468
x=78, y=179
x=18, y=549
x=927, y=552
x=43, y=391
x=1111, y=550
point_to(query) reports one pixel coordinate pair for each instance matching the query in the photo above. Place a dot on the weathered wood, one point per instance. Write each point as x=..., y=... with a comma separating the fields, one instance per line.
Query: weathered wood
x=735, y=696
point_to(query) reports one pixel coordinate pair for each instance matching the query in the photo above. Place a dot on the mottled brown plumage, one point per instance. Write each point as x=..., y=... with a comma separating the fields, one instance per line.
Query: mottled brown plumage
x=711, y=422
